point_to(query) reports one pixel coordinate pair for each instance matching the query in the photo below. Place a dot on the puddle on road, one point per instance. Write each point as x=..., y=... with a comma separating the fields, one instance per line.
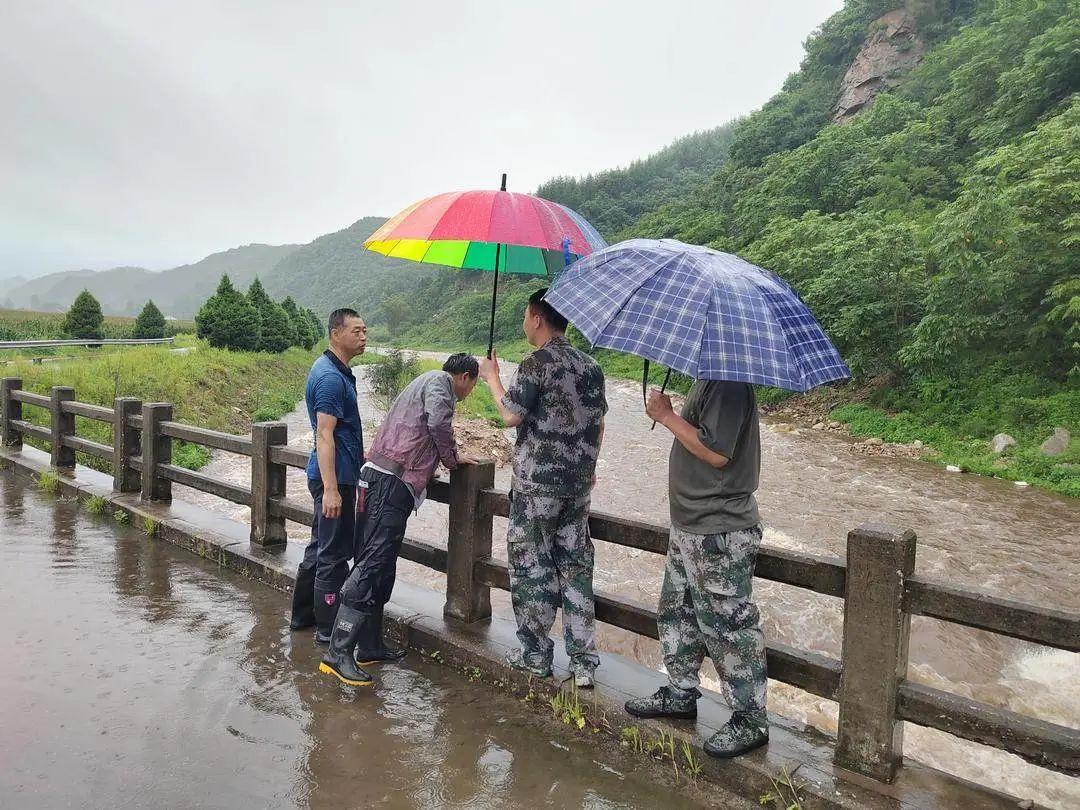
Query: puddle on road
x=135, y=674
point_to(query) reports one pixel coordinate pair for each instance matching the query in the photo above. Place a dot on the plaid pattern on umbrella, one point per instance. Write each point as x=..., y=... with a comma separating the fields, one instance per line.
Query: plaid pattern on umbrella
x=708, y=314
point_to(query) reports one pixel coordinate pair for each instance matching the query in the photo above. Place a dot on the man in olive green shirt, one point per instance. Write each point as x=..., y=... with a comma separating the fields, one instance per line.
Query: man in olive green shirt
x=705, y=603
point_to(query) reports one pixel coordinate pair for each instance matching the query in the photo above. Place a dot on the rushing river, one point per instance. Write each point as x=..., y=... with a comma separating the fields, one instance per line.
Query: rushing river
x=973, y=531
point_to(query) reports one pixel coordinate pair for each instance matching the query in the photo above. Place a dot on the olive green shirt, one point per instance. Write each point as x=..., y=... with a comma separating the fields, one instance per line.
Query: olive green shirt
x=709, y=500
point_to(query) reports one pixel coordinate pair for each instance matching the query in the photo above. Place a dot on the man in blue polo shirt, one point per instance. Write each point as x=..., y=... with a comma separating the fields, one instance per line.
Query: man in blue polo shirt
x=333, y=471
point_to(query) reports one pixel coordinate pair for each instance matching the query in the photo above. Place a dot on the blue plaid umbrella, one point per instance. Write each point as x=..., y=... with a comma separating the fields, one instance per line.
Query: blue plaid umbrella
x=708, y=314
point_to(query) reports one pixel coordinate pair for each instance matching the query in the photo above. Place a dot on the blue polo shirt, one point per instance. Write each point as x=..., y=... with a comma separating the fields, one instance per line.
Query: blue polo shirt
x=331, y=389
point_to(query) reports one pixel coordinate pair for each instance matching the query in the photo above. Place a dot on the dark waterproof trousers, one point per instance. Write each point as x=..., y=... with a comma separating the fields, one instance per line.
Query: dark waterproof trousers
x=333, y=544
x=387, y=506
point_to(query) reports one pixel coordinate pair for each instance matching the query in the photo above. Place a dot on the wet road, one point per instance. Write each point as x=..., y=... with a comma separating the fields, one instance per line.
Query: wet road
x=133, y=674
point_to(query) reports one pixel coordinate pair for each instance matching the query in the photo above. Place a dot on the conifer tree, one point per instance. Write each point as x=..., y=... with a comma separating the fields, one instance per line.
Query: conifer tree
x=84, y=319
x=276, y=333
x=150, y=324
x=227, y=320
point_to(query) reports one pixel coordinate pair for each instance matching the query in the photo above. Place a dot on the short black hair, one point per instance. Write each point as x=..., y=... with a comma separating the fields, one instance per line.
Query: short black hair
x=546, y=311
x=461, y=363
x=337, y=318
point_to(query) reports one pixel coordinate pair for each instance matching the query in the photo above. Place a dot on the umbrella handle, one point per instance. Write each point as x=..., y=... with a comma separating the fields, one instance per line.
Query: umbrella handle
x=662, y=387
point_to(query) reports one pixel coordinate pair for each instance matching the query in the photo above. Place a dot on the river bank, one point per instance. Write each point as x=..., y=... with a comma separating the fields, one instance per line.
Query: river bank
x=218, y=389
x=952, y=429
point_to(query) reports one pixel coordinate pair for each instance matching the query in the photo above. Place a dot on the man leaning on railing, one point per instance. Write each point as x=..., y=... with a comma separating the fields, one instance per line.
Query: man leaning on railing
x=416, y=435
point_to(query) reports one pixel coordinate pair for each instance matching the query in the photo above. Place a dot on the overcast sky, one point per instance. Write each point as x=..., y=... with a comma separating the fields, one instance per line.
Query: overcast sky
x=152, y=134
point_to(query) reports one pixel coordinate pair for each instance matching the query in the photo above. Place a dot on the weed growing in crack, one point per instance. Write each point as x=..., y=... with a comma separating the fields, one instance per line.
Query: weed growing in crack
x=48, y=481
x=96, y=504
x=566, y=706
x=692, y=765
x=784, y=793
x=121, y=517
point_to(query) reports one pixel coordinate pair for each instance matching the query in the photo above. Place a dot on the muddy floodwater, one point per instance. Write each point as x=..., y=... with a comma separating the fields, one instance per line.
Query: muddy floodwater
x=133, y=674
x=972, y=531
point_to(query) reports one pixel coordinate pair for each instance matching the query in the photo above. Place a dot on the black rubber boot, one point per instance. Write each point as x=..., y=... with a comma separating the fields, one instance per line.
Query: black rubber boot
x=339, y=660
x=370, y=648
x=326, y=607
x=303, y=601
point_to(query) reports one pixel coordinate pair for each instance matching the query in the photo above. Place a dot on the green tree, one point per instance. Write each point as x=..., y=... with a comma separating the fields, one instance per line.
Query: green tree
x=227, y=320
x=84, y=318
x=275, y=330
x=396, y=311
x=1003, y=254
x=300, y=323
x=150, y=324
x=391, y=374
x=317, y=326
x=861, y=276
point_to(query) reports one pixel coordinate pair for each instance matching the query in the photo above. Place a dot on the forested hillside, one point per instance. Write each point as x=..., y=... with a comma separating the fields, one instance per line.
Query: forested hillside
x=335, y=271
x=934, y=233
x=614, y=199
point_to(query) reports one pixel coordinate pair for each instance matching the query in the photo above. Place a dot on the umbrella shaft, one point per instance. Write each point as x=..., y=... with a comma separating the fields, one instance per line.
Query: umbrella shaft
x=494, y=298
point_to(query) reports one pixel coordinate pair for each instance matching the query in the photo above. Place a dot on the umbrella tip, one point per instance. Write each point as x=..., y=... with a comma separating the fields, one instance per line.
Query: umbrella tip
x=503, y=182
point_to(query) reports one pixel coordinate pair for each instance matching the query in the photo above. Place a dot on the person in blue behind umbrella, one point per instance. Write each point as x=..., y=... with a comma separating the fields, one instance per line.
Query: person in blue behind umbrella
x=705, y=603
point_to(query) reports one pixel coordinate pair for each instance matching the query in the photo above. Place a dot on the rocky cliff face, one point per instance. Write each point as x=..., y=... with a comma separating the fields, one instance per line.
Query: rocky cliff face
x=891, y=49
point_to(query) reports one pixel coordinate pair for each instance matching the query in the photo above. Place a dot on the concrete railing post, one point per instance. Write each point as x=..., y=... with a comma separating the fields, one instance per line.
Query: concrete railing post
x=875, y=649
x=63, y=424
x=126, y=445
x=469, y=540
x=267, y=481
x=10, y=410
x=156, y=449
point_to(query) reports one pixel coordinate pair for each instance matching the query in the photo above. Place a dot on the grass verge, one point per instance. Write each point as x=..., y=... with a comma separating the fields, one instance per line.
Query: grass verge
x=208, y=387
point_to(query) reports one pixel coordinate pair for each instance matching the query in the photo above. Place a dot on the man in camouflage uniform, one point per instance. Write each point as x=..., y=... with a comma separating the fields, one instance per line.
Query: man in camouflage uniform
x=557, y=403
x=705, y=603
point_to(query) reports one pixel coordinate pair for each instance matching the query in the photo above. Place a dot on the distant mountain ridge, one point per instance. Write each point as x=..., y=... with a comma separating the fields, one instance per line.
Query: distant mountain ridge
x=335, y=270
x=124, y=290
x=331, y=271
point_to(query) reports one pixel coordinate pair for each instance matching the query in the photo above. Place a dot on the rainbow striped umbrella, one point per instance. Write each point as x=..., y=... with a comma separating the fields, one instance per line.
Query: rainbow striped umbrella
x=498, y=231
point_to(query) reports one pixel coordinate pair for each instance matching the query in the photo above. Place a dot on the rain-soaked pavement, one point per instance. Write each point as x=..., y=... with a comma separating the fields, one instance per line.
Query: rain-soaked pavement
x=133, y=674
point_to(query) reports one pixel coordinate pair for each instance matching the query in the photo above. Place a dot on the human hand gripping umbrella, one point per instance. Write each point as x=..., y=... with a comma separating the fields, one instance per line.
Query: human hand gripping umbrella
x=709, y=315
x=498, y=231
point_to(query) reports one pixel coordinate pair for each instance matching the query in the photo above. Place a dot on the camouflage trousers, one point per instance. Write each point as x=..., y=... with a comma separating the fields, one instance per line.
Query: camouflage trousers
x=551, y=565
x=706, y=607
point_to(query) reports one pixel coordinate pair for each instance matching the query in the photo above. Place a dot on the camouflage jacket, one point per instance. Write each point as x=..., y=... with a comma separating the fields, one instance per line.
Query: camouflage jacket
x=559, y=393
